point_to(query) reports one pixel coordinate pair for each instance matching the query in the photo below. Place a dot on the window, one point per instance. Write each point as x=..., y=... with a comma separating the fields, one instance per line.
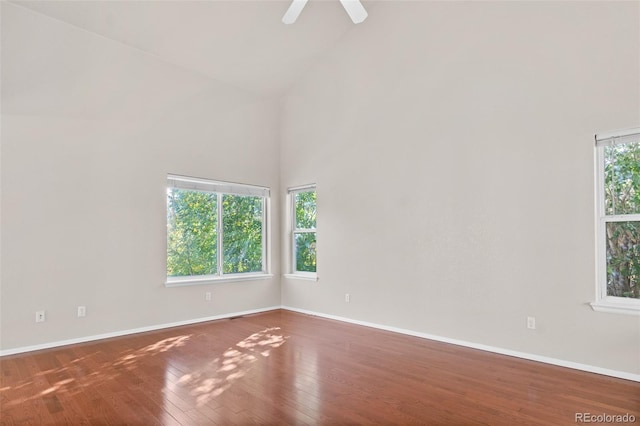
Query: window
x=618, y=180
x=303, y=233
x=215, y=231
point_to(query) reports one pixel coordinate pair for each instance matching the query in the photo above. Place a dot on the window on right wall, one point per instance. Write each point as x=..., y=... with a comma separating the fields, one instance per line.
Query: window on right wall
x=303, y=231
x=618, y=196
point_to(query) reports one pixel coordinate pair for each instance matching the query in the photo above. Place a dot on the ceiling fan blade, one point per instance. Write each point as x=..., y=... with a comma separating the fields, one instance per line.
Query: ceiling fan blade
x=355, y=9
x=294, y=11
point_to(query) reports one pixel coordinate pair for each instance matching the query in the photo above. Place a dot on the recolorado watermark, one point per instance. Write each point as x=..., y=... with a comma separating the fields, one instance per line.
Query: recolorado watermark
x=604, y=418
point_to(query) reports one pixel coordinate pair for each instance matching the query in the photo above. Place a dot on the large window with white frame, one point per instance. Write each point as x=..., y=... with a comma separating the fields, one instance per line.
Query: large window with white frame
x=618, y=189
x=303, y=231
x=215, y=231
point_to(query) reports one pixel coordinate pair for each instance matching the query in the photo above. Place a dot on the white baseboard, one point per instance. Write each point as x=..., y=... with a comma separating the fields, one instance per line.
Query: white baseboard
x=85, y=339
x=501, y=351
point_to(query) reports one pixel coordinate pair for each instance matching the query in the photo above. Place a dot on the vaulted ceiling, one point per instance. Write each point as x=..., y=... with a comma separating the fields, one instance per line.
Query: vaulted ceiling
x=240, y=43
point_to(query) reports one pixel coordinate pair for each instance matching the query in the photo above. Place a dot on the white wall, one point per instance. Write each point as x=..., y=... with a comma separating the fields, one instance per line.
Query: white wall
x=90, y=129
x=452, y=146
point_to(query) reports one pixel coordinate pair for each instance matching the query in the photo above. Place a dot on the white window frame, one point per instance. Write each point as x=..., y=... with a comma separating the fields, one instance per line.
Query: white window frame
x=291, y=200
x=221, y=188
x=604, y=302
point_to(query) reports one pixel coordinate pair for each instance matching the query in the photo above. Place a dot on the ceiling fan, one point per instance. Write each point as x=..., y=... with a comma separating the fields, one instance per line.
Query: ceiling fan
x=354, y=9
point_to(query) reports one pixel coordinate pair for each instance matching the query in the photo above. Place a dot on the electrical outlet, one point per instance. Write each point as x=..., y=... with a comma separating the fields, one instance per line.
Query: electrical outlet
x=207, y=296
x=347, y=297
x=531, y=323
x=40, y=316
x=82, y=311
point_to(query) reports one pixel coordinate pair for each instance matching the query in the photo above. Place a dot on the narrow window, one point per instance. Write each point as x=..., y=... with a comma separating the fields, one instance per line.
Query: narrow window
x=618, y=164
x=303, y=234
x=215, y=230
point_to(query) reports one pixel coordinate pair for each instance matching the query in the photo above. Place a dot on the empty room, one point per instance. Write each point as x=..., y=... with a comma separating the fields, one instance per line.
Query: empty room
x=319, y=212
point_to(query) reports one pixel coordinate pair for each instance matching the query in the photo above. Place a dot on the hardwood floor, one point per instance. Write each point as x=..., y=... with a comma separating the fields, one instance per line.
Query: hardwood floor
x=282, y=367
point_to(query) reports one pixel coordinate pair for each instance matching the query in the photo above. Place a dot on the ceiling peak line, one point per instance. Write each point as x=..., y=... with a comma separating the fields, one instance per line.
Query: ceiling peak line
x=354, y=9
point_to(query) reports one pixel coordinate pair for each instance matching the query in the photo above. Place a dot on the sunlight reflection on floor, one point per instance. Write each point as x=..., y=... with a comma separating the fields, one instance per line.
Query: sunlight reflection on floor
x=76, y=380
x=92, y=369
x=155, y=348
x=220, y=374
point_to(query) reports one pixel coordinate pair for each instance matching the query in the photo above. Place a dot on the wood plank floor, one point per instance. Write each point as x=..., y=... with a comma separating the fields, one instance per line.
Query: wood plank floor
x=282, y=367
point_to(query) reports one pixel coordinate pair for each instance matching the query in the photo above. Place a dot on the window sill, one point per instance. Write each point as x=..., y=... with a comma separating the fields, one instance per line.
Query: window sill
x=305, y=277
x=181, y=282
x=616, y=308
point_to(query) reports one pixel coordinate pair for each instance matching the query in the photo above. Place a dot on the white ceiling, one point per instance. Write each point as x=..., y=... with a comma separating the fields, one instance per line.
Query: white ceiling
x=238, y=42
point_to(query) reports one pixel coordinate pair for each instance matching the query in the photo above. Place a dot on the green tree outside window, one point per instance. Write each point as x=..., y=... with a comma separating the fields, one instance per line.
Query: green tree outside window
x=622, y=197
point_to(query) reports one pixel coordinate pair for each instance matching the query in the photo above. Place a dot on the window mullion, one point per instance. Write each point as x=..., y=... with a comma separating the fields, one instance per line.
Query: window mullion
x=613, y=180
x=600, y=180
x=622, y=218
x=294, y=249
x=265, y=260
x=601, y=289
x=219, y=233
